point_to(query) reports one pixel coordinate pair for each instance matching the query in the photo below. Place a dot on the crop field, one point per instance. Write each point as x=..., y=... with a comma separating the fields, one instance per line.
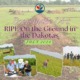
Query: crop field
x=68, y=62
x=54, y=67
x=8, y=19
x=5, y=52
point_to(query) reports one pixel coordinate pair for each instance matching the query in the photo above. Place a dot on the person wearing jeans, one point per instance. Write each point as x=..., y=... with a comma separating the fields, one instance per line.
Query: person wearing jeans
x=27, y=68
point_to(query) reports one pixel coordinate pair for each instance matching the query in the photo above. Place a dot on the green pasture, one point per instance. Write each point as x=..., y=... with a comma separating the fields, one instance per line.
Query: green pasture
x=54, y=67
x=7, y=19
x=68, y=62
x=3, y=55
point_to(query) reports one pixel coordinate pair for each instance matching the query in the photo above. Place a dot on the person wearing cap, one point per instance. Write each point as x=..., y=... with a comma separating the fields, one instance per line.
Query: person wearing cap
x=20, y=67
x=27, y=68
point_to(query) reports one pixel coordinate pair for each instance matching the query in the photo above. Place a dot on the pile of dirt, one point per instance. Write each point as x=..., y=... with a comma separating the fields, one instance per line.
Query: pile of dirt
x=39, y=21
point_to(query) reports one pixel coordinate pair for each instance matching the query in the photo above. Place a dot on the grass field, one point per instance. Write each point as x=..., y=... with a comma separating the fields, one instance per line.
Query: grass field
x=6, y=19
x=69, y=62
x=3, y=55
x=54, y=67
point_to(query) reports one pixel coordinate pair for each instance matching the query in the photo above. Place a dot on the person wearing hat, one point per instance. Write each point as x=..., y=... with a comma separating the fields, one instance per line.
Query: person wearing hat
x=27, y=68
x=20, y=67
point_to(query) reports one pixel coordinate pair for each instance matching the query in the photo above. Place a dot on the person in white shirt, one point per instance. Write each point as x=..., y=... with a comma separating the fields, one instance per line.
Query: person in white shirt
x=20, y=67
x=11, y=67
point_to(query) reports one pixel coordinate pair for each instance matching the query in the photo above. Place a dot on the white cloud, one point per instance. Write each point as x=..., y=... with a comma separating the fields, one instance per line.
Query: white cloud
x=47, y=0
x=44, y=0
x=68, y=49
x=79, y=0
x=55, y=0
x=66, y=0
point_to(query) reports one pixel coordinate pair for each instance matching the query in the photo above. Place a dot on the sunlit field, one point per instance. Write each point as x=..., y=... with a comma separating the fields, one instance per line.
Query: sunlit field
x=69, y=62
x=8, y=19
x=54, y=67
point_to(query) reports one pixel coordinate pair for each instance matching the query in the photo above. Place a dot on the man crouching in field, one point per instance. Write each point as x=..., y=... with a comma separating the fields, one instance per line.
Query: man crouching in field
x=20, y=67
x=11, y=67
x=27, y=68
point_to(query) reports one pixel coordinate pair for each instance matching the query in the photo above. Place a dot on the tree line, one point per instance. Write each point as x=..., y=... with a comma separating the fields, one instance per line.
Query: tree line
x=32, y=2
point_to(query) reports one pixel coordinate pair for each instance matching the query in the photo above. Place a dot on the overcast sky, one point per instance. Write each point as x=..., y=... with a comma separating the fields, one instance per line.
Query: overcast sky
x=68, y=49
x=55, y=0
x=66, y=0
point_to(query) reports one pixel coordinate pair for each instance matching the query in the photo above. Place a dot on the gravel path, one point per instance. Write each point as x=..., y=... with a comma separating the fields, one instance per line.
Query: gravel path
x=68, y=73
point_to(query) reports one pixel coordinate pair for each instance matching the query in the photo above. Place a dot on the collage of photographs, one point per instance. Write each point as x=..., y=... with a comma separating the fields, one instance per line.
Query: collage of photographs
x=39, y=39
x=16, y=65
x=43, y=61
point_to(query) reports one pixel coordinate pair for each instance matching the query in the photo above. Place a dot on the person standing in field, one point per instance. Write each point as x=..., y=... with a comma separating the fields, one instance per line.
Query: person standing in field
x=78, y=57
x=71, y=55
x=45, y=63
x=68, y=56
x=65, y=56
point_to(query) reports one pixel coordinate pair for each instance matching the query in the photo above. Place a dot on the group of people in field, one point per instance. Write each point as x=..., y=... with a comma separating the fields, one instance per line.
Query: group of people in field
x=20, y=68
x=72, y=56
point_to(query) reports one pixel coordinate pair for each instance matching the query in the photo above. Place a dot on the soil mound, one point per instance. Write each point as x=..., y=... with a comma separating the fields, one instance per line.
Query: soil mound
x=40, y=21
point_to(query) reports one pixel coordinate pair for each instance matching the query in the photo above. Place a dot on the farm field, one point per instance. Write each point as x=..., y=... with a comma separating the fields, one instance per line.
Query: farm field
x=68, y=62
x=7, y=19
x=54, y=67
x=3, y=53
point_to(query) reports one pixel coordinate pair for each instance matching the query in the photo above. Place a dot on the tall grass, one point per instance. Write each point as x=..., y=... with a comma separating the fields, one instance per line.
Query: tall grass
x=2, y=55
x=69, y=62
x=54, y=67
